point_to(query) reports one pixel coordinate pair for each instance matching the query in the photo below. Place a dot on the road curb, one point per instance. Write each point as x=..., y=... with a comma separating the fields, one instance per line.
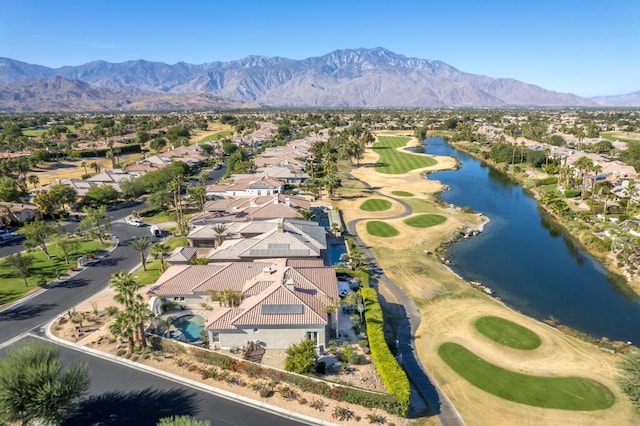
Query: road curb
x=263, y=406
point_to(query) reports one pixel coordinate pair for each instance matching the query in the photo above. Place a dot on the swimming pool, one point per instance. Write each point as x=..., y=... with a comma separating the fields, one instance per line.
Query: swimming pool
x=190, y=326
x=336, y=250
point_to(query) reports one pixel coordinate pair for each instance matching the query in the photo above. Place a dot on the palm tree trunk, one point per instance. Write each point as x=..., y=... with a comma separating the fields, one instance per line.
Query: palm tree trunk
x=143, y=338
x=132, y=343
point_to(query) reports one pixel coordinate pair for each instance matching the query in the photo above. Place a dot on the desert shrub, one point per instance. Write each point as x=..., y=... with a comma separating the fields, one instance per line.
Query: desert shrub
x=266, y=392
x=301, y=357
x=349, y=356
x=287, y=393
x=302, y=401
x=376, y=419
x=111, y=310
x=342, y=413
x=121, y=352
x=318, y=404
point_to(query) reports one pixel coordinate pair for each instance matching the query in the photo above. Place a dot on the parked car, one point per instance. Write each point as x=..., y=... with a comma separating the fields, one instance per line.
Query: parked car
x=133, y=221
x=6, y=236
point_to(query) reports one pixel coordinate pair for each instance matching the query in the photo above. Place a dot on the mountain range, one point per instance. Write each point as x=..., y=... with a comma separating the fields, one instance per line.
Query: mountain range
x=365, y=78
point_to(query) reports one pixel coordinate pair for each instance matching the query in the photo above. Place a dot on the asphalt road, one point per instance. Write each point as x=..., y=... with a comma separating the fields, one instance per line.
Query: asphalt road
x=38, y=310
x=123, y=396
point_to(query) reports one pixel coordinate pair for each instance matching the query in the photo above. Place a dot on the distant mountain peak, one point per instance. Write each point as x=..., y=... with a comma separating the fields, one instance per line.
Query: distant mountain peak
x=358, y=77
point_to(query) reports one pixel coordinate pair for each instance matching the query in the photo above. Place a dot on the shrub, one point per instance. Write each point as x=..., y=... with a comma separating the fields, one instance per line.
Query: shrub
x=302, y=401
x=266, y=392
x=287, y=393
x=376, y=419
x=629, y=380
x=342, y=413
x=393, y=376
x=111, y=310
x=546, y=181
x=121, y=352
x=318, y=404
x=301, y=357
x=572, y=193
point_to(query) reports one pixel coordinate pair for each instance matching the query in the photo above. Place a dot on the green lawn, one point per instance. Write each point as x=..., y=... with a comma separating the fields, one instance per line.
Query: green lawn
x=381, y=229
x=507, y=333
x=402, y=194
x=396, y=162
x=217, y=136
x=375, y=205
x=565, y=393
x=425, y=220
x=613, y=137
x=44, y=270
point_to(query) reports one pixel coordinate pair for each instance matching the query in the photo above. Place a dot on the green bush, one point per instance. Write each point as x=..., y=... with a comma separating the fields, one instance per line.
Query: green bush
x=393, y=376
x=572, y=193
x=546, y=181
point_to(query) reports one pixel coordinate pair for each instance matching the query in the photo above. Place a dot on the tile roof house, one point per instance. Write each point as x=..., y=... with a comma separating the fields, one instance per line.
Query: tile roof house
x=282, y=301
x=17, y=212
x=245, y=209
x=273, y=238
x=247, y=186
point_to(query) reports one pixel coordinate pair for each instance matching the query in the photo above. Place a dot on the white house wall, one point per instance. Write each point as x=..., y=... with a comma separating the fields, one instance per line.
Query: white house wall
x=273, y=337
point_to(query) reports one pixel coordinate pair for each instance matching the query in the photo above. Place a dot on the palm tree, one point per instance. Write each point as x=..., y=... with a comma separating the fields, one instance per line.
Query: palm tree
x=140, y=314
x=632, y=192
x=141, y=245
x=160, y=251
x=37, y=388
x=124, y=326
x=34, y=180
x=307, y=215
x=227, y=297
x=125, y=287
x=84, y=166
x=219, y=229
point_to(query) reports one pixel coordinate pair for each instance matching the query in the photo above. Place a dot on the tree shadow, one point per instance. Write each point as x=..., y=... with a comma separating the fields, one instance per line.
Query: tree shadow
x=73, y=283
x=140, y=408
x=108, y=261
x=26, y=311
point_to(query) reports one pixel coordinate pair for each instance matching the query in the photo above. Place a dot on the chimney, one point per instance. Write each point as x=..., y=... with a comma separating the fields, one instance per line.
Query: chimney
x=266, y=270
x=281, y=226
x=287, y=201
x=275, y=199
x=290, y=284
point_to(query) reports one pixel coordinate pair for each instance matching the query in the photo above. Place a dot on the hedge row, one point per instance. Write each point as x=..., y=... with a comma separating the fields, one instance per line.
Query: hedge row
x=102, y=152
x=393, y=376
x=546, y=181
x=351, y=395
x=572, y=193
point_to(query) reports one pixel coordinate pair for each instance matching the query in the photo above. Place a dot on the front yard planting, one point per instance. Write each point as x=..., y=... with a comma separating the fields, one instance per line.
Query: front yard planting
x=564, y=393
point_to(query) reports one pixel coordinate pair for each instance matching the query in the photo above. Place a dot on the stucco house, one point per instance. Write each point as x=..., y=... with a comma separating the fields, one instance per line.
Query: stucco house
x=250, y=186
x=243, y=209
x=272, y=238
x=283, y=301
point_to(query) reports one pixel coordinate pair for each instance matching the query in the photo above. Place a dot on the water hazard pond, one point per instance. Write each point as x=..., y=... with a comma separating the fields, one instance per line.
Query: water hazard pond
x=531, y=264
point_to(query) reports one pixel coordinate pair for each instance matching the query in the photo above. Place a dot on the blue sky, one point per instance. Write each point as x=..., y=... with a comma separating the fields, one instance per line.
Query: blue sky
x=588, y=47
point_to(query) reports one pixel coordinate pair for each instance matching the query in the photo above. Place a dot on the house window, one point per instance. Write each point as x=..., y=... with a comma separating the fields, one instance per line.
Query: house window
x=312, y=335
x=255, y=330
x=176, y=298
x=215, y=337
x=182, y=298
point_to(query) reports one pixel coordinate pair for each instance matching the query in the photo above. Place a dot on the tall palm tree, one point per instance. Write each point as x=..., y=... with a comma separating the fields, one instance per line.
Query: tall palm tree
x=34, y=180
x=125, y=287
x=219, y=229
x=160, y=251
x=124, y=325
x=84, y=166
x=141, y=245
x=140, y=314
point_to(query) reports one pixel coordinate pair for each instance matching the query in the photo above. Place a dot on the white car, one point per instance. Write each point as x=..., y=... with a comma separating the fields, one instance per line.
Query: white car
x=133, y=221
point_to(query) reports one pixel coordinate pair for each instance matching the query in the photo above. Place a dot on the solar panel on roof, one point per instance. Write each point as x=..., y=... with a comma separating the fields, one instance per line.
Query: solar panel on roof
x=277, y=309
x=277, y=246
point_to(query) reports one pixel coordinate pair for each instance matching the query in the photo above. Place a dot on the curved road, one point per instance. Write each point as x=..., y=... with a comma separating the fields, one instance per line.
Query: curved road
x=121, y=395
x=409, y=323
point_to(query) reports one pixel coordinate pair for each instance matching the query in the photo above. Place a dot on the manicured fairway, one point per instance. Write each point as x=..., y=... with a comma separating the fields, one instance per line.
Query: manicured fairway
x=381, y=229
x=217, y=135
x=395, y=162
x=565, y=393
x=425, y=220
x=376, y=205
x=402, y=194
x=507, y=333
